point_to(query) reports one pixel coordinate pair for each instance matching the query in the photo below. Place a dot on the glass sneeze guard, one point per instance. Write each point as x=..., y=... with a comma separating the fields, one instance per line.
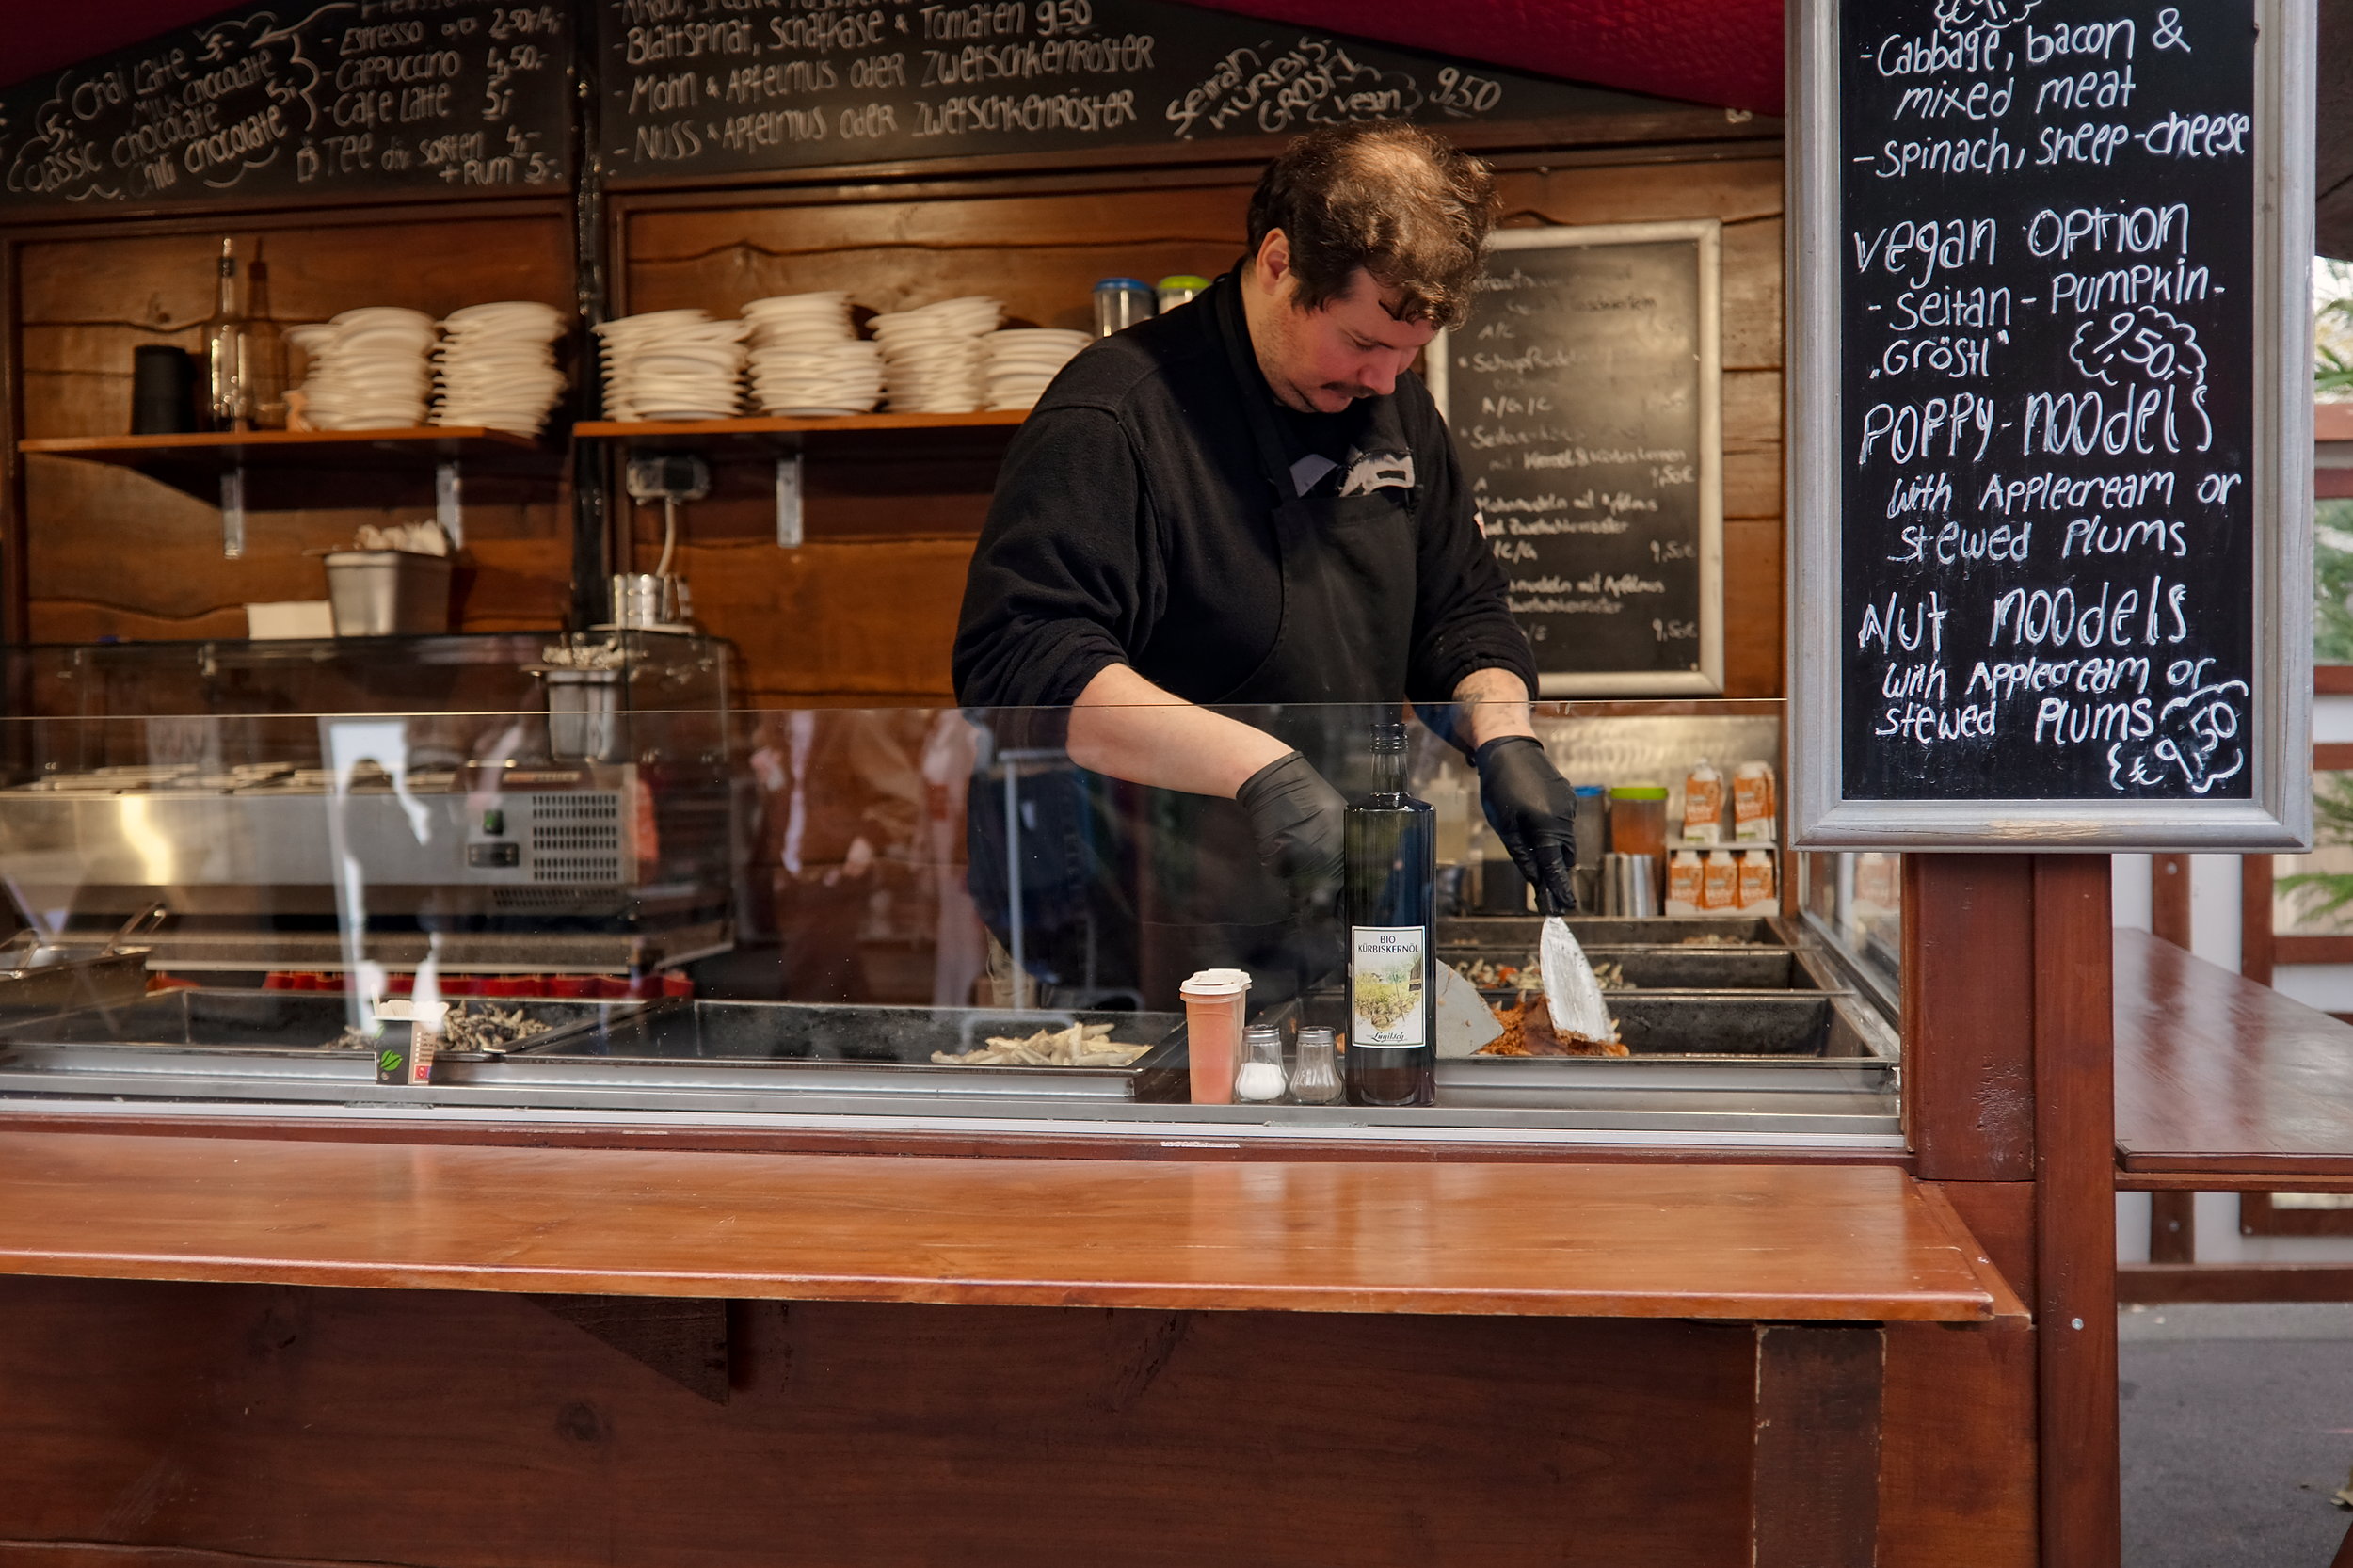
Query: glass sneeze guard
x=657, y=910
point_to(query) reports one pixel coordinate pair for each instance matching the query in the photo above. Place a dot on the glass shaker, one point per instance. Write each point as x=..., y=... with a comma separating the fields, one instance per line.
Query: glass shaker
x=1316, y=1074
x=1120, y=303
x=1261, y=1076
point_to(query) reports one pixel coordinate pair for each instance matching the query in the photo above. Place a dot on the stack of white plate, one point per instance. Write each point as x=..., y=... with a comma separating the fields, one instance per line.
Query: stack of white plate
x=368, y=369
x=807, y=359
x=672, y=365
x=1018, y=362
x=932, y=353
x=496, y=366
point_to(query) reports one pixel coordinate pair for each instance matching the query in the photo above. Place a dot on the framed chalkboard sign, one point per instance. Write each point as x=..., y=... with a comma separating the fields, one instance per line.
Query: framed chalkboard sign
x=310, y=99
x=2050, y=424
x=1584, y=394
x=705, y=90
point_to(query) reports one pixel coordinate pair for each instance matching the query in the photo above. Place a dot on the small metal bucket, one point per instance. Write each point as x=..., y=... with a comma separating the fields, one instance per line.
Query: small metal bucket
x=640, y=599
x=387, y=593
x=584, y=715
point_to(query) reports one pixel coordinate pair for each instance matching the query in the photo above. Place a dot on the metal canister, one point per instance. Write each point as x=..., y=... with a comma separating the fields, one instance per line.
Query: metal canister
x=1629, y=886
x=1177, y=288
x=1592, y=841
x=1120, y=303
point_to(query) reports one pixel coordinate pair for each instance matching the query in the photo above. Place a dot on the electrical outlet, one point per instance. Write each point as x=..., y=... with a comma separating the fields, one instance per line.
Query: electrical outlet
x=668, y=476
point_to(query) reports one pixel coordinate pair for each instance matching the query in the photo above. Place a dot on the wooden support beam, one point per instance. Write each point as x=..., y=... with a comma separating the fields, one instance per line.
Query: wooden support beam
x=2256, y=951
x=2163, y=1284
x=1968, y=1044
x=2168, y=898
x=684, y=1340
x=2172, y=1227
x=2074, y=1140
x=1815, y=1496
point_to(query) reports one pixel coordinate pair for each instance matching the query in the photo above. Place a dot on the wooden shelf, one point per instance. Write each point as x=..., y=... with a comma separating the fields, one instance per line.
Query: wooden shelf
x=299, y=470
x=785, y=431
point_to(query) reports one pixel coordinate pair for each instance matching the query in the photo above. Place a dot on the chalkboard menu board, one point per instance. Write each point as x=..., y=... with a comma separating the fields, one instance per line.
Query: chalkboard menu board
x=348, y=98
x=1582, y=392
x=723, y=87
x=2065, y=521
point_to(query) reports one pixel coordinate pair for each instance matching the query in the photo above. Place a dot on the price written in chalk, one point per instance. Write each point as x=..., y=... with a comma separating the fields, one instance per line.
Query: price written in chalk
x=2046, y=341
x=338, y=98
x=724, y=86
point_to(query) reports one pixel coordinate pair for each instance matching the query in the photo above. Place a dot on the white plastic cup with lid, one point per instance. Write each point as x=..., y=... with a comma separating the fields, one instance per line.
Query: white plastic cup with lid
x=1215, y=1002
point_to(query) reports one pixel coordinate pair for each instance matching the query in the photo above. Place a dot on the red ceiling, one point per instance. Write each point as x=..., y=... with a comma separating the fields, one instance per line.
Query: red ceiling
x=1724, y=52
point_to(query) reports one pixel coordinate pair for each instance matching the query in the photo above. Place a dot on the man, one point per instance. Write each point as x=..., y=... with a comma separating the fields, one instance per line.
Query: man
x=1252, y=501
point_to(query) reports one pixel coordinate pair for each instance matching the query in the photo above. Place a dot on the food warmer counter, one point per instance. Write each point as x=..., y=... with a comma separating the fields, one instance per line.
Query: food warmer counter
x=1750, y=1034
x=493, y=802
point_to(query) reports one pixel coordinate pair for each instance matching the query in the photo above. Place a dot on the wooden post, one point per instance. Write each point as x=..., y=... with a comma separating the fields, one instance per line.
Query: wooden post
x=2255, y=917
x=1968, y=1026
x=2075, y=1100
x=2168, y=898
x=2172, y=1227
x=1815, y=1463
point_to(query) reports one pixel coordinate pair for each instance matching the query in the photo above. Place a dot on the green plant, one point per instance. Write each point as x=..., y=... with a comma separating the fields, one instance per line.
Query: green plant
x=2333, y=583
x=2319, y=897
x=2332, y=372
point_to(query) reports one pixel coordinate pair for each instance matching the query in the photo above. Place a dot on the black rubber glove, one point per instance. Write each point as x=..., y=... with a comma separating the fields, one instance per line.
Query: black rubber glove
x=1298, y=821
x=1533, y=810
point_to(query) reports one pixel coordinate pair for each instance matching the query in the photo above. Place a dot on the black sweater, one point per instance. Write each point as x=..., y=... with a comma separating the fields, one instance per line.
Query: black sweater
x=1132, y=526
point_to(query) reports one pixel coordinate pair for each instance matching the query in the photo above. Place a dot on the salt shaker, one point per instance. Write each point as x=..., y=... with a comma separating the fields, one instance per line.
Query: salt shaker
x=1316, y=1073
x=1261, y=1075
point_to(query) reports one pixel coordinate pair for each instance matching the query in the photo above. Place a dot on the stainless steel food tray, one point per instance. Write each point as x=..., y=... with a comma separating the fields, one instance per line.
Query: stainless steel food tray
x=1739, y=1025
x=1492, y=933
x=1736, y=1051
x=843, y=1050
x=201, y=1037
x=46, y=979
x=1676, y=968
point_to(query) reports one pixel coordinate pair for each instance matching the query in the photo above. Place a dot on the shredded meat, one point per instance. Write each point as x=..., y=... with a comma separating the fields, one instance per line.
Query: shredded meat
x=1527, y=1031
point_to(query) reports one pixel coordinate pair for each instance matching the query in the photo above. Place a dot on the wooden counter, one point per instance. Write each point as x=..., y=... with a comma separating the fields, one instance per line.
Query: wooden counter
x=2222, y=1084
x=1688, y=1241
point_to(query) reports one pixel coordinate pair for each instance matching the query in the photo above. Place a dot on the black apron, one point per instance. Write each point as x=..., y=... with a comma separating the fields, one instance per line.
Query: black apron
x=1349, y=566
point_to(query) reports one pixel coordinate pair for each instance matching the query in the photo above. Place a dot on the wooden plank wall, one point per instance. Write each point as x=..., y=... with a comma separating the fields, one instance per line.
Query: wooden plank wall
x=109, y=553
x=866, y=611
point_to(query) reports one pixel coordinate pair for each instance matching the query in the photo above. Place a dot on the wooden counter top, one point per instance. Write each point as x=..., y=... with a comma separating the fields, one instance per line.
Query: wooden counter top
x=2223, y=1078
x=1666, y=1240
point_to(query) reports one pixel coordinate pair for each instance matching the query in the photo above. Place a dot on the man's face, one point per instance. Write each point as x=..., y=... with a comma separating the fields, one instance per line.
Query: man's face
x=1321, y=361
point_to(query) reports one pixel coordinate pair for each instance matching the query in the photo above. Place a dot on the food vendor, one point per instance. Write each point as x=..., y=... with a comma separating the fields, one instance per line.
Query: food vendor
x=1247, y=503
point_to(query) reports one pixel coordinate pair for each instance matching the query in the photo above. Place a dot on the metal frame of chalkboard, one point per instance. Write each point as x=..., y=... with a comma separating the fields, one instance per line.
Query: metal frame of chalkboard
x=2277, y=815
x=1706, y=236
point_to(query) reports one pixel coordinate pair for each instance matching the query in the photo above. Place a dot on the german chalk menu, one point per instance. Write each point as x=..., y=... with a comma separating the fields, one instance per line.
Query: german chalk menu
x=1574, y=391
x=715, y=87
x=2047, y=349
x=351, y=97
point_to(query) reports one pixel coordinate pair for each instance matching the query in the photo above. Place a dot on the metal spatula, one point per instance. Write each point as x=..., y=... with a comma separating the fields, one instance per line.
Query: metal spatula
x=1572, y=994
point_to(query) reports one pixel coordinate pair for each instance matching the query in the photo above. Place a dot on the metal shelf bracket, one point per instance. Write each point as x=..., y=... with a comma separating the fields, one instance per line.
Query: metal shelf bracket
x=448, y=503
x=233, y=512
x=789, y=533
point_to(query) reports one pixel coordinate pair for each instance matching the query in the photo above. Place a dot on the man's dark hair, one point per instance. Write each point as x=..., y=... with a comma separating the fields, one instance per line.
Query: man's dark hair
x=1385, y=196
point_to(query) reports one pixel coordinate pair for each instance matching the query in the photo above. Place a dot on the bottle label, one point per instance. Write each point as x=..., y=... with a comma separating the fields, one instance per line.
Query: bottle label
x=1388, y=967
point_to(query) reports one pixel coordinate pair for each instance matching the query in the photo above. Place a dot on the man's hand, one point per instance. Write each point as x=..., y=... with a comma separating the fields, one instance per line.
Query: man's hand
x=1297, y=819
x=1533, y=810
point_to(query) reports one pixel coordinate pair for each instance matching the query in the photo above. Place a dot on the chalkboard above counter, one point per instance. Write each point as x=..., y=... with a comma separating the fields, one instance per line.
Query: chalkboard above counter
x=442, y=97
x=2050, y=411
x=344, y=101
x=692, y=89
